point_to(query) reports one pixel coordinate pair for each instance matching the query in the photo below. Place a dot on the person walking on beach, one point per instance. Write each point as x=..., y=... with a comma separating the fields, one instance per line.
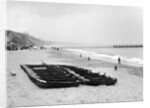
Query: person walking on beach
x=119, y=60
x=80, y=55
x=115, y=68
x=89, y=58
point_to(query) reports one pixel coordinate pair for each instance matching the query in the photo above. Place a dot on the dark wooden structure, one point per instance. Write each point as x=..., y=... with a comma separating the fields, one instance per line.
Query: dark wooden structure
x=58, y=76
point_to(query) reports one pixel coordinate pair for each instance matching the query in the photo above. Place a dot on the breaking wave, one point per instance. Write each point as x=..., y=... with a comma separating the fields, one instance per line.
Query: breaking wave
x=108, y=57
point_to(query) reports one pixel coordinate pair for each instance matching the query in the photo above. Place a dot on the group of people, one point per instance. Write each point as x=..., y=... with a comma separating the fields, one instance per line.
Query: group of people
x=87, y=58
x=115, y=68
x=119, y=62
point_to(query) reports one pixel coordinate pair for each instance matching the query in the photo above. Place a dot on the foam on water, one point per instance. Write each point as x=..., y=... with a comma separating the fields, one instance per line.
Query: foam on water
x=108, y=57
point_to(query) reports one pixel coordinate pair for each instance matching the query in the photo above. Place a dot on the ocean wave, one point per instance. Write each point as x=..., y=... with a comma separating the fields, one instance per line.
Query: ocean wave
x=109, y=57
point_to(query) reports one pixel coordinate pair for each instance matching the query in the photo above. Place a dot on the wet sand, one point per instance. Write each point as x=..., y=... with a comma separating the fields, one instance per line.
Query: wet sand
x=22, y=92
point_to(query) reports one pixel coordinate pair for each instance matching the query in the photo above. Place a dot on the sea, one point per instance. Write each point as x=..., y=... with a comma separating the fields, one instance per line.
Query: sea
x=128, y=55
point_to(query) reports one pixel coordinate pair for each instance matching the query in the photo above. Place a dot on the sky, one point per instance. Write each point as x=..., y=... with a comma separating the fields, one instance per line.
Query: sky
x=78, y=23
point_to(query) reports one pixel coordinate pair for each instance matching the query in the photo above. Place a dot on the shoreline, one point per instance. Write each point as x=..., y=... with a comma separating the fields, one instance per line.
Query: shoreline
x=98, y=63
x=106, y=57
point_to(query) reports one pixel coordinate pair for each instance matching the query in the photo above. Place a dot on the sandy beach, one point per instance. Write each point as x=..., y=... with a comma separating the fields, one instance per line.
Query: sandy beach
x=22, y=92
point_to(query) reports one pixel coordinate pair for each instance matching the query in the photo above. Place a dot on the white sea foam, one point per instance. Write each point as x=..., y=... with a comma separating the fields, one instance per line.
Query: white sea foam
x=108, y=57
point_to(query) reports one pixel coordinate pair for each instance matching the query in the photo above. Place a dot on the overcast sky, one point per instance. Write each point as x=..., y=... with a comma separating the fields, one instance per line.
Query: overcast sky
x=90, y=24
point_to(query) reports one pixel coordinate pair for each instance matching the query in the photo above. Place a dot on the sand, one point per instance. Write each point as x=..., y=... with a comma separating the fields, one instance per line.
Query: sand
x=22, y=92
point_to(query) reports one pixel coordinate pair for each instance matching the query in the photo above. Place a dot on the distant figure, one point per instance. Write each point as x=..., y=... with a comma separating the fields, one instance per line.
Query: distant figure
x=57, y=49
x=89, y=58
x=80, y=55
x=119, y=60
x=115, y=68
